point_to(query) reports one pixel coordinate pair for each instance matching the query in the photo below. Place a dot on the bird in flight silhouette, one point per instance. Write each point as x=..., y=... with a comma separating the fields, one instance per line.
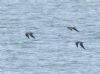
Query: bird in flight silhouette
x=73, y=28
x=81, y=44
x=29, y=34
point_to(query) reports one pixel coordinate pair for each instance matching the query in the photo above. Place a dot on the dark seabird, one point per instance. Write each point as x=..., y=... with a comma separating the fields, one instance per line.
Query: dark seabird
x=72, y=28
x=81, y=44
x=29, y=34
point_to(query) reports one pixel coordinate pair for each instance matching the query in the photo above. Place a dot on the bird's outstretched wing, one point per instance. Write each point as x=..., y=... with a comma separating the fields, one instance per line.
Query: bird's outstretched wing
x=31, y=34
x=76, y=29
x=77, y=44
x=27, y=35
x=81, y=44
x=70, y=28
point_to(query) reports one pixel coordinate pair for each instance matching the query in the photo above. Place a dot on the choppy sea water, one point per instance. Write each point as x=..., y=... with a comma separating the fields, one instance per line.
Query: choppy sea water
x=53, y=51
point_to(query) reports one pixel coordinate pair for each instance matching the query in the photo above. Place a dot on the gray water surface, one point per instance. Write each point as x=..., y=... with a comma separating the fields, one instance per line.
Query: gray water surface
x=53, y=51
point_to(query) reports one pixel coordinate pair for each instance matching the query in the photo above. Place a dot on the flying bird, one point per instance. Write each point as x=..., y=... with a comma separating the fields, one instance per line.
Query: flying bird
x=81, y=44
x=73, y=28
x=29, y=34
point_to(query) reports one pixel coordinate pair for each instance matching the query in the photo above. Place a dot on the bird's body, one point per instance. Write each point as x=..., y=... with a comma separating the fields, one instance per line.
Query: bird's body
x=72, y=28
x=29, y=34
x=81, y=44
